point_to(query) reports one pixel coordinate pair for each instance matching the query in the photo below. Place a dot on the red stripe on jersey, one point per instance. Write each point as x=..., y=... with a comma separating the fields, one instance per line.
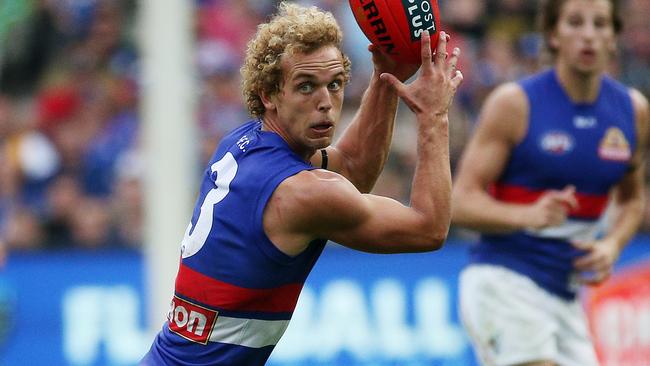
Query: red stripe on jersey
x=590, y=206
x=212, y=292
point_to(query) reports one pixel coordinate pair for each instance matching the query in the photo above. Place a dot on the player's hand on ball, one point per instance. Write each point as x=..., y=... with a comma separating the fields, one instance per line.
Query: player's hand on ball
x=384, y=63
x=433, y=90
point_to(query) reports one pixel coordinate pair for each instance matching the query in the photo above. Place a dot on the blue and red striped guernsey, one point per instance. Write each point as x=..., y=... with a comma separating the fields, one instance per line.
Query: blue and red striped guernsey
x=588, y=146
x=590, y=206
x=217, y=294
x=235, y=291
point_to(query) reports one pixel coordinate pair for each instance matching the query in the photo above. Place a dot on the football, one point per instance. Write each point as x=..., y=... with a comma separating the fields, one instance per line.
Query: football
x=396, y=25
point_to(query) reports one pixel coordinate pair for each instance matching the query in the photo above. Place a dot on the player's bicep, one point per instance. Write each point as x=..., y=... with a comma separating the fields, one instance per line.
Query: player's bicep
x=330, y=207
x=502, y=124
x=642, y=119
x=483, y=160
x=632, y=185
x=381, y=225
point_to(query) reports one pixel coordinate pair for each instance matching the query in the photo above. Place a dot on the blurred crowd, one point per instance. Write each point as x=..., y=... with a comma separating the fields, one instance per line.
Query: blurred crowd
x=70, y=162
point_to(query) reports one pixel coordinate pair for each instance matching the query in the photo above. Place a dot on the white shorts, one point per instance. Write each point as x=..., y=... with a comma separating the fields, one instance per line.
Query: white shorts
x=510, y=320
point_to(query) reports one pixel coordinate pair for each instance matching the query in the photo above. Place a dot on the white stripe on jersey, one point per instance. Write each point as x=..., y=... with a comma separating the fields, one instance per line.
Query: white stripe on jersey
x=571, y=230
x=252, y=333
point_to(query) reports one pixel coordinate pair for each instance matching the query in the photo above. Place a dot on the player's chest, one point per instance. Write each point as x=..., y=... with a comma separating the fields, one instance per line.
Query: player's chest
x=578, y=146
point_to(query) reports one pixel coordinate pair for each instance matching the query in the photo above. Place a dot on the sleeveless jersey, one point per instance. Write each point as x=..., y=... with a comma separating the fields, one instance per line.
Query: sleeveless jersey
x=585, y=145
x=235, y=291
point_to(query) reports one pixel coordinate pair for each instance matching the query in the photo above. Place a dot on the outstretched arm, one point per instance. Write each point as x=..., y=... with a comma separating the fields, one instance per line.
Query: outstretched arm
x=360, y=153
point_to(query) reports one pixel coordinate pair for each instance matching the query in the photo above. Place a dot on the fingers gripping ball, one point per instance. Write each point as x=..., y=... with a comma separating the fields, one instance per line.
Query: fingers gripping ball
x=396, y=25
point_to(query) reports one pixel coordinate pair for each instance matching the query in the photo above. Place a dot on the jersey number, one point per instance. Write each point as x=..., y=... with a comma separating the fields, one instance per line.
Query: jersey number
x=195, y=238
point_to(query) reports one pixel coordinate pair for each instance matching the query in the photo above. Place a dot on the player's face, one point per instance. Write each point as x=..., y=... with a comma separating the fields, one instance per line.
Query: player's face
x=310, y=99
x=584, y=36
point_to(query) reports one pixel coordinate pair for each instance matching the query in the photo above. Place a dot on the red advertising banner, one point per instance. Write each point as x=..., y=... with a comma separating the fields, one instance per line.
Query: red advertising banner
x=619, y=315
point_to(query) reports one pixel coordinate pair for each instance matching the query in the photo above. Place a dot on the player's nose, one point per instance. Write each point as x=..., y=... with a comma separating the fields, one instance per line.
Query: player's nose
x=324, y=100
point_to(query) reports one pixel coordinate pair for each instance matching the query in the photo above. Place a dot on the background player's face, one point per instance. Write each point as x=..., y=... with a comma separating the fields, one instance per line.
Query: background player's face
x=310, y=98
x=584, y=35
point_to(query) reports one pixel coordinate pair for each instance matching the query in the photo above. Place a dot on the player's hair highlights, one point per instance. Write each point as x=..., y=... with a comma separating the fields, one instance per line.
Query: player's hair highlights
x=549, y=15
x=293, y=29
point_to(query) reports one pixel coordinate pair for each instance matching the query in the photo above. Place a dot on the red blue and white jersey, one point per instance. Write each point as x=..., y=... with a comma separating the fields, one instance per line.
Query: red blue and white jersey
x=235, y=291
x=586, y=145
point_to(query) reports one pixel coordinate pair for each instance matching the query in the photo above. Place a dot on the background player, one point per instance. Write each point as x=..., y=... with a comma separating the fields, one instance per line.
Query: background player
x=264, y=212
x=548, y=155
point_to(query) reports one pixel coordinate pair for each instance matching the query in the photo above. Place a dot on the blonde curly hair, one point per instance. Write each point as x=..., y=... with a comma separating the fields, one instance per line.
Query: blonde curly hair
x=293, y=29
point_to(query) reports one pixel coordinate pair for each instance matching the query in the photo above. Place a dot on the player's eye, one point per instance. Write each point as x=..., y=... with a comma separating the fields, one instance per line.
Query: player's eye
x=575, y=21
x=335, y=85
x=601, y=22
x=305, y=87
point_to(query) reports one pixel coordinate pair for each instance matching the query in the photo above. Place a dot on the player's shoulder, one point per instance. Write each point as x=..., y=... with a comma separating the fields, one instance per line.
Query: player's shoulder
x=506, y=104
x=318, y=187
x=236, y=139
x=510, y=94
x=504, y=115
x=320, y=191
x=639, y=101
x=234, y=135
x=641, y=113
x=317, y=197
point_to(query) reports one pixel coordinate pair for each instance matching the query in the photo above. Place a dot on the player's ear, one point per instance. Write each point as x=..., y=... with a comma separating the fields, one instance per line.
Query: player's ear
x=268, y=100
x=553, y=42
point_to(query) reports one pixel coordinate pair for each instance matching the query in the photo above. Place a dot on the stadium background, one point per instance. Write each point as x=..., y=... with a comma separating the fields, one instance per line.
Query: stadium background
x=72, y=211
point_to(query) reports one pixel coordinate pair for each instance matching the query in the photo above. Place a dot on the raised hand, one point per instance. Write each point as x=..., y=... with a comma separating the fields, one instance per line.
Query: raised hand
x=383, y=63
x=433, y=90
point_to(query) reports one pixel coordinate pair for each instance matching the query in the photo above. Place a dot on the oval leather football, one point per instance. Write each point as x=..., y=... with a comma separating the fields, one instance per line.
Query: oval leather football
x=396, y=25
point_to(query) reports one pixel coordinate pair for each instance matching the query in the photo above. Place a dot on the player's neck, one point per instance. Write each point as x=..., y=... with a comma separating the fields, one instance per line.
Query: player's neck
x=580, y=87
x=271, y=124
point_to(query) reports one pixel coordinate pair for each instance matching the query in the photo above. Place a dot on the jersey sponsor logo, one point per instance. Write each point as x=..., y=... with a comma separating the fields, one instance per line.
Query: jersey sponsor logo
x=190, y=321
x=556, y=142
x=420, y=17
x=614, y=146
x=584, y=122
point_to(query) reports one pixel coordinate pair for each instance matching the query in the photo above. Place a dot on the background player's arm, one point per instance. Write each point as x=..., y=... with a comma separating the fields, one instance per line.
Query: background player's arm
x=360, y=153
x=628, y=195
x=626, y=207
x=502, y=124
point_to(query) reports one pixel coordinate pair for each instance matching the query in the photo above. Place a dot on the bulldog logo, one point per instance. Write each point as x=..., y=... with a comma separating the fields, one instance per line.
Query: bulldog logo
x=614, y=146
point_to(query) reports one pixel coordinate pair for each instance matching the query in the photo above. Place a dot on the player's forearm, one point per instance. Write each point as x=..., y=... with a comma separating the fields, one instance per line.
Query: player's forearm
x=365, y=144
x=625, y=221
x=431, y=188
x=475, y=209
